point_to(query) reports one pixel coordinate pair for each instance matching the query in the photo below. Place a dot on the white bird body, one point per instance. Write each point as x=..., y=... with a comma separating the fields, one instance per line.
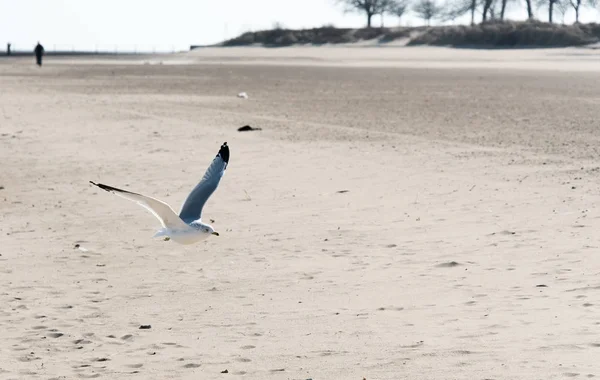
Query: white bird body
x=187, y=227
x=187, y=235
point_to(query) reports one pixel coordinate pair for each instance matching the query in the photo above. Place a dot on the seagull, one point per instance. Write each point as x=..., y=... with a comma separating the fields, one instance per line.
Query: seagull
x=187, y=227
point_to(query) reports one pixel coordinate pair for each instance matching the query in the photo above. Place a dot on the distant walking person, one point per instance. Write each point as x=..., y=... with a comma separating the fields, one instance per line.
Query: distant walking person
x=39, y=52
x=8, y=48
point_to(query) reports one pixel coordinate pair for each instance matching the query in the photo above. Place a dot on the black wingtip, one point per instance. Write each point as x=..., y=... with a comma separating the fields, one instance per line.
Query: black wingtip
x=103, y=187
x=109, y=188
x=224, y=152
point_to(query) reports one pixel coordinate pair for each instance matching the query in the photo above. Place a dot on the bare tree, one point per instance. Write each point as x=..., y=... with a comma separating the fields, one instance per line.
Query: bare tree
x=487, y=5
x=397, y=8
x=487, y=8
x=576, y=5
x=278, y=26
x=458, y=8
x=493, y=14
x=562, y=7
x=503, y=9
x=530, y=9
x=427, y=10
x=551, y=4
x=369, y=7
x=384, y=7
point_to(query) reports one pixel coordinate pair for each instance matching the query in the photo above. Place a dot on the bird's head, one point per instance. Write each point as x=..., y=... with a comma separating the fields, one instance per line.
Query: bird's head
x=209, y=230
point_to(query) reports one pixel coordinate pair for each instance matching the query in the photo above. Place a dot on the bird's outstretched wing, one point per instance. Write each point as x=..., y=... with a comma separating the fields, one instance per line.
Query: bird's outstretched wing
x=192, y=207
x=160, y=209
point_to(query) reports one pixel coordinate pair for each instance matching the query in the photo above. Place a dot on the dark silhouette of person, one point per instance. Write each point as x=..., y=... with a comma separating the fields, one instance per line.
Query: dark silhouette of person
x=8, y=48
x=39, y=52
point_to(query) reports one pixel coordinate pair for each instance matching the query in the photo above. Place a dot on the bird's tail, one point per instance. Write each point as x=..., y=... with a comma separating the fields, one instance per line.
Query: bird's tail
x=161, y=232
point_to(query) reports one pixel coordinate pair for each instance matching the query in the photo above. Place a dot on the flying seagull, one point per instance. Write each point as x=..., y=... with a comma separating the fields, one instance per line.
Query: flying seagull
x=187, y=227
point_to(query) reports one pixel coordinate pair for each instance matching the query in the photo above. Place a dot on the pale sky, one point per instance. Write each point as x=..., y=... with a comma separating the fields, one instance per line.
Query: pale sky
x=174, y=24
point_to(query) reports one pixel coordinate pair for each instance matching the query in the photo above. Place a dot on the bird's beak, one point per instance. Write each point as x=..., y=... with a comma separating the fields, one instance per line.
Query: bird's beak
x=215, y=233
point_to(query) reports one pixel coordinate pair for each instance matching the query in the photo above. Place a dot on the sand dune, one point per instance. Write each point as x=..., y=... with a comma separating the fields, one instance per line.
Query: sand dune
x=385, y=223
x=355, y=55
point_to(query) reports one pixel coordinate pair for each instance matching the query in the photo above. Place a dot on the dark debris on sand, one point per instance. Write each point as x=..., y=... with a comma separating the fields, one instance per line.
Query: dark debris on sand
x=246, y=128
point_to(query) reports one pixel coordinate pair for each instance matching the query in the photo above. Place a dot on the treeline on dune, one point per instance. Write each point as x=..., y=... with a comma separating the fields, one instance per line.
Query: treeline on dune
x=499, y=34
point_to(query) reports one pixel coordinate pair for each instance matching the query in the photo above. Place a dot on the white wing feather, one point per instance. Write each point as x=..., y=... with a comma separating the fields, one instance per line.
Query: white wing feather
x=162, y=211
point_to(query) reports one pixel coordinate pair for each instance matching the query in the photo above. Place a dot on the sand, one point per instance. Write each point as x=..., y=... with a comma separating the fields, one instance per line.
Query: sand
x=389, y=221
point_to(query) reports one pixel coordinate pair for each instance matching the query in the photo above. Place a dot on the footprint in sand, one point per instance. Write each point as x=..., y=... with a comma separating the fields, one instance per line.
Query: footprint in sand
x=90, y=376
x=391, y=308
x=450, y=264
x=191, y=365
x=82, y=341
x=29, y=357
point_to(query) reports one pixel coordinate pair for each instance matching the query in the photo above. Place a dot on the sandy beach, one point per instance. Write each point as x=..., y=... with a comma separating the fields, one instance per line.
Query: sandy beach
x=404, y=213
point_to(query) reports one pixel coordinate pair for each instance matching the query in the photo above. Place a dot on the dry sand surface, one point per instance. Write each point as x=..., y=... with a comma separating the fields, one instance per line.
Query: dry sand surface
x=392, y=222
